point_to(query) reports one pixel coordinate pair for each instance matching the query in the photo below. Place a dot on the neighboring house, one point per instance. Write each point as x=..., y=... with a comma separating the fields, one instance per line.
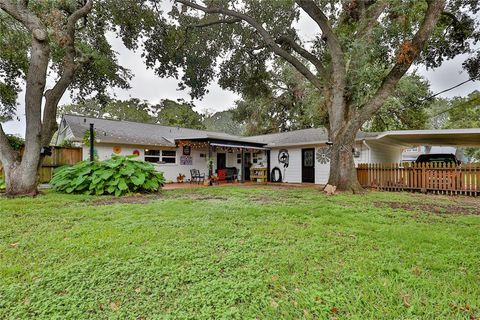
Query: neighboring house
x=301, y=156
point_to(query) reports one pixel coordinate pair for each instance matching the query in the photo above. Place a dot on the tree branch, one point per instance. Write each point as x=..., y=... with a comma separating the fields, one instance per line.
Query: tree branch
x=7, y=154
x=20, y=12
x=70, y=67
x=372, y=19
x=434, y=10
x=220, y=21
x=336, y=52
x=269, y=40
x=301, y=51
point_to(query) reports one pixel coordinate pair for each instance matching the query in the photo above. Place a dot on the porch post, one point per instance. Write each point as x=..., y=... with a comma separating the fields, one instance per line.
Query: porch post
x=210, y=161
x=267, y=152
x=242, y=166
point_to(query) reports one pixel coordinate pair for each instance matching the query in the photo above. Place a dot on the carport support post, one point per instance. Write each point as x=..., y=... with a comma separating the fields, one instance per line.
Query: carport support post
x=242, y=166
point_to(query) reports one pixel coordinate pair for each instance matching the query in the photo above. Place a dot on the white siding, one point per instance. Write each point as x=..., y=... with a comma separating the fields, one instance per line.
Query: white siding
x=383, y=153
x=293, y=173
x=170, y=171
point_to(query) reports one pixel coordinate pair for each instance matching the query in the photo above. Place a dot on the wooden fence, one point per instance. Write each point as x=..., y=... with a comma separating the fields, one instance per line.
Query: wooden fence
x=60, y=157
x=440, y=178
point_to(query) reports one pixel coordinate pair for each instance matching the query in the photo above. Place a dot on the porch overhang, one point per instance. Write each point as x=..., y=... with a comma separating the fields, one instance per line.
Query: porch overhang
x=224, y=143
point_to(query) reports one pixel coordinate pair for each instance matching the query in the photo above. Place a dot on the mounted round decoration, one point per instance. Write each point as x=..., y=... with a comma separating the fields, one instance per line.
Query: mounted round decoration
x=117, y=149
x=323, y=155
x=136, y=152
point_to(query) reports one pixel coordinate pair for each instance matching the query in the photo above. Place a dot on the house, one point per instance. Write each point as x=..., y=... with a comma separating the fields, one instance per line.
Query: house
x=300, y=156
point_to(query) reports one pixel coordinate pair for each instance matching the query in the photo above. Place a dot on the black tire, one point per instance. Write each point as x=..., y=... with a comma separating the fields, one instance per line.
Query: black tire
x=276, y=175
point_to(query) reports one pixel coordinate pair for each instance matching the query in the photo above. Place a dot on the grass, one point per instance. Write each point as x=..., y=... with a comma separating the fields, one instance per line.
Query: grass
x=244, y=253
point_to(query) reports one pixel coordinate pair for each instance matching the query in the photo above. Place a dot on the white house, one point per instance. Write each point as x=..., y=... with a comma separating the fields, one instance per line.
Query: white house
x=300, y=156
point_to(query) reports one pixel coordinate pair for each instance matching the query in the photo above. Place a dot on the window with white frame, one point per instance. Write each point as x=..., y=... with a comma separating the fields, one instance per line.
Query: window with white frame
x=160, y=156
x=169, y=156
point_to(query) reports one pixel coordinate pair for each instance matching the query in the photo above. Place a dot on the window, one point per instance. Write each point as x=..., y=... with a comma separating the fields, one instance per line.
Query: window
x=169, y=156
x=152, y=155
x=160, y=156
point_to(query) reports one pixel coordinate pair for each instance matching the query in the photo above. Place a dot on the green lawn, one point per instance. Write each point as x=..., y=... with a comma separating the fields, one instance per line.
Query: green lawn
x=245, y=253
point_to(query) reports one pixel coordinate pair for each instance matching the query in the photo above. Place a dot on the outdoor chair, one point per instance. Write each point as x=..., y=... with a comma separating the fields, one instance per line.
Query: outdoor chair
x=196, y=176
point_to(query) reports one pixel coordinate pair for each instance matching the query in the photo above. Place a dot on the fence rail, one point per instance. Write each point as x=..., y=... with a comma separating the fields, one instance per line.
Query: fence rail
x=60, y=157
x=442, y=178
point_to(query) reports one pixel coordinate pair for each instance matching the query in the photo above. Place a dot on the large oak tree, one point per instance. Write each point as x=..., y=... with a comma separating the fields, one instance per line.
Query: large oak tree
x=361, y=51
x=64, y=41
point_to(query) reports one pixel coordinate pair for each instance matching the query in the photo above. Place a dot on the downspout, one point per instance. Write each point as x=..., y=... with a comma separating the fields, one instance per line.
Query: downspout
x=368, y=148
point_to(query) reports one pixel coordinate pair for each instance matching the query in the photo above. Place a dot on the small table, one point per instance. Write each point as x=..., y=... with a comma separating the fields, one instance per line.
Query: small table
x=258, y=174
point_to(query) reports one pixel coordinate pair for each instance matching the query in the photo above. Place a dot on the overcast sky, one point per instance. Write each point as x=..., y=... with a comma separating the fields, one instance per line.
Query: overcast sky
x=146, y=85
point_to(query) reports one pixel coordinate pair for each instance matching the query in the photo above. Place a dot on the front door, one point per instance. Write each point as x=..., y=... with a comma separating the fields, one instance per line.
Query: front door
x=308, y=165
x=247, y=163
x=221, y=161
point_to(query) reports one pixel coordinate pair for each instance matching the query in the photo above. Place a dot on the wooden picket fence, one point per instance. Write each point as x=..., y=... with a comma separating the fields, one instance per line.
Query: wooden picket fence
x=440, y=178
x=60, y=157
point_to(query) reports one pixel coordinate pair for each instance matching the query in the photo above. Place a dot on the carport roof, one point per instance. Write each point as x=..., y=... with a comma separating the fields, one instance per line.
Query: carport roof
x=444, y=137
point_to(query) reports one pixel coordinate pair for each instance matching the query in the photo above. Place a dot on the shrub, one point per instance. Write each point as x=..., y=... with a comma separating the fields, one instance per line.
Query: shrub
x=2, y=184
x=116, y=176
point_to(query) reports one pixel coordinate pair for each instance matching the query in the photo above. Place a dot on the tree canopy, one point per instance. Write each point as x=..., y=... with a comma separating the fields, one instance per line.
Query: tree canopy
x=361, y=51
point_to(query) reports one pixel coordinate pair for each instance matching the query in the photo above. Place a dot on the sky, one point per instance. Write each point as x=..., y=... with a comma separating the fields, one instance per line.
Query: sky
x=145, y=85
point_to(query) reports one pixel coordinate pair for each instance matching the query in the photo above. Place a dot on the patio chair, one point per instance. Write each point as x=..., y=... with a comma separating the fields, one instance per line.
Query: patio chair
x=196, y=176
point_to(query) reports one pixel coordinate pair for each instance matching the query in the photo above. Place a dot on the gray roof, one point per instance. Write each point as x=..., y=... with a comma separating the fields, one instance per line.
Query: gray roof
x=302, y=137
x=137, y=133
x=129, y=132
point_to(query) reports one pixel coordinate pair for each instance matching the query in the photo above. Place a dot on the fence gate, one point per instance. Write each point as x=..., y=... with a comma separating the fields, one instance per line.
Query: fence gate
x=60, y=157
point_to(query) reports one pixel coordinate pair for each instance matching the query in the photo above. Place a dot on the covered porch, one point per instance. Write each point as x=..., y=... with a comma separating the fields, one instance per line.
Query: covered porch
x=226, y=160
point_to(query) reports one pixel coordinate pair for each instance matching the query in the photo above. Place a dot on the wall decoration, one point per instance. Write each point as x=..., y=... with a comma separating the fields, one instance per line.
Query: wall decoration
x=323, y=155
x=187, y=150
x=284, y=157
x=117, y=149
x=203, y=155
x=136, y=152
x=186, y=160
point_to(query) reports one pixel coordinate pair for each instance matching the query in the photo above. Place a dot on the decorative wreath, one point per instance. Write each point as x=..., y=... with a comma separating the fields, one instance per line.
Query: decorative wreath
x=283, y=157
x=117, y=149
x=323, y=155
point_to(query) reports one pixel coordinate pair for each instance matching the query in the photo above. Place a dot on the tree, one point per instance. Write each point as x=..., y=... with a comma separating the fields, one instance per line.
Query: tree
x=179, y=114
x=131, y=110
x=362, y=50
x=288, y=102
x=223, y=121
x=406, y=108
x=464, y=112
x=63, y=38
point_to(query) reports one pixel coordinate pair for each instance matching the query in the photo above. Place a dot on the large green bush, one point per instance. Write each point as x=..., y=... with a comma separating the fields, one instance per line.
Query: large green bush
x=116, y=176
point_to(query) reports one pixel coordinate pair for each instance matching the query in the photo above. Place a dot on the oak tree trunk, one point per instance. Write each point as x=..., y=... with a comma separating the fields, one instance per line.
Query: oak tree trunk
x=21, y=180
x=343, y=173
